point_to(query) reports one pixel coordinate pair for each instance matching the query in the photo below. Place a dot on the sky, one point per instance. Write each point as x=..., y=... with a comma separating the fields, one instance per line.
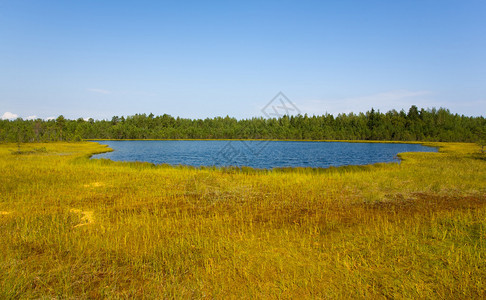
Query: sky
x=199, y=59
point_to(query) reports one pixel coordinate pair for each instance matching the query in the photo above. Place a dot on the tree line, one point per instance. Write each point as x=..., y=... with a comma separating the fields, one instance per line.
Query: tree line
x=414, y=125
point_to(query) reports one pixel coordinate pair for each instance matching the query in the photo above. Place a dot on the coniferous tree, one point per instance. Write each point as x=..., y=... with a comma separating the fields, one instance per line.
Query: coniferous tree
x=422, y=125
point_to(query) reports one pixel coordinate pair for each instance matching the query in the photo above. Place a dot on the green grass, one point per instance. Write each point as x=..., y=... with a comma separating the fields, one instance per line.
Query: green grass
x=71, y=227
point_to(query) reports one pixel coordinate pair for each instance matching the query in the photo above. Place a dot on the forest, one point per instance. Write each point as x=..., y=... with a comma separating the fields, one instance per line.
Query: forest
x=415, y=125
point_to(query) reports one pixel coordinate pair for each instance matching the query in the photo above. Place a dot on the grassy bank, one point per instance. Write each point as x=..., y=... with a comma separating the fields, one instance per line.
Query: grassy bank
x=280, y=140
x=71, y=227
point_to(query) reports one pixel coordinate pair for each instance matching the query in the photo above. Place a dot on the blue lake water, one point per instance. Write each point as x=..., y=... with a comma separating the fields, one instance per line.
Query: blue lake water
x=257, y=154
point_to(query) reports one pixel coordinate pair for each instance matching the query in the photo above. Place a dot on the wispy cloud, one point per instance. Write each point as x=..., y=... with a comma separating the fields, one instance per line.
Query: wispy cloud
x=31, y=117
x=100, y=91
x=395, y=95
x=9, y=116
x=137, y=93
x=469, y=108
x=381, y=101
x=123, y=93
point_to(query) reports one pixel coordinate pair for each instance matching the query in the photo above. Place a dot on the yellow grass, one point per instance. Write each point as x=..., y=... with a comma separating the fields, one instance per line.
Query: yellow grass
x=71, y=227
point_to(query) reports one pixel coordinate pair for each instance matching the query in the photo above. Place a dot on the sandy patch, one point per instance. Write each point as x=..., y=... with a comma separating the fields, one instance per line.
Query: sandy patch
x=95, y=184
x=86, y=217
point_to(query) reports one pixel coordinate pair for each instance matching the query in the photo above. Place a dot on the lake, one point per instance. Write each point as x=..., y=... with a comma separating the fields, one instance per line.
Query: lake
x=257, y=154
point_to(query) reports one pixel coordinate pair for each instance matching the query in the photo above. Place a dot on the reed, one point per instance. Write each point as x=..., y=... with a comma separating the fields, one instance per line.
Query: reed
x=73, y=227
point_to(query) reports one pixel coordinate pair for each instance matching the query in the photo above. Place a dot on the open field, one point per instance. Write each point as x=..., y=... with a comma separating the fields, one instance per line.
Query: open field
x=71, y=227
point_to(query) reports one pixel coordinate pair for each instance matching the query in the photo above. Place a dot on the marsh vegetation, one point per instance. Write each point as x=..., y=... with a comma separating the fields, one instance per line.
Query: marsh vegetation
x=71, y=227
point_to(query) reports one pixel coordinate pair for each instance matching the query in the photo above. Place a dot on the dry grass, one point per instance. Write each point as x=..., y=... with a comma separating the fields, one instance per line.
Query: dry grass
x=77, y=228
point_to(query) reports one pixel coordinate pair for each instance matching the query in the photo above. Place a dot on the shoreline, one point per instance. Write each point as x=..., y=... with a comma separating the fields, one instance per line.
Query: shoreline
x=281, y=140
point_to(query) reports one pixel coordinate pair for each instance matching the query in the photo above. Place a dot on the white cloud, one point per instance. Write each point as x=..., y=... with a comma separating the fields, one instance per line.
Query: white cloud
x=100, y=91
x=31, y=117
x=50, y=118
x=400, y=99
x=9, y=116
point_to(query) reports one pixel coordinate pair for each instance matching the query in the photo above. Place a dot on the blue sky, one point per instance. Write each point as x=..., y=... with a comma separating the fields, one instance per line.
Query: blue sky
x=201, y=59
